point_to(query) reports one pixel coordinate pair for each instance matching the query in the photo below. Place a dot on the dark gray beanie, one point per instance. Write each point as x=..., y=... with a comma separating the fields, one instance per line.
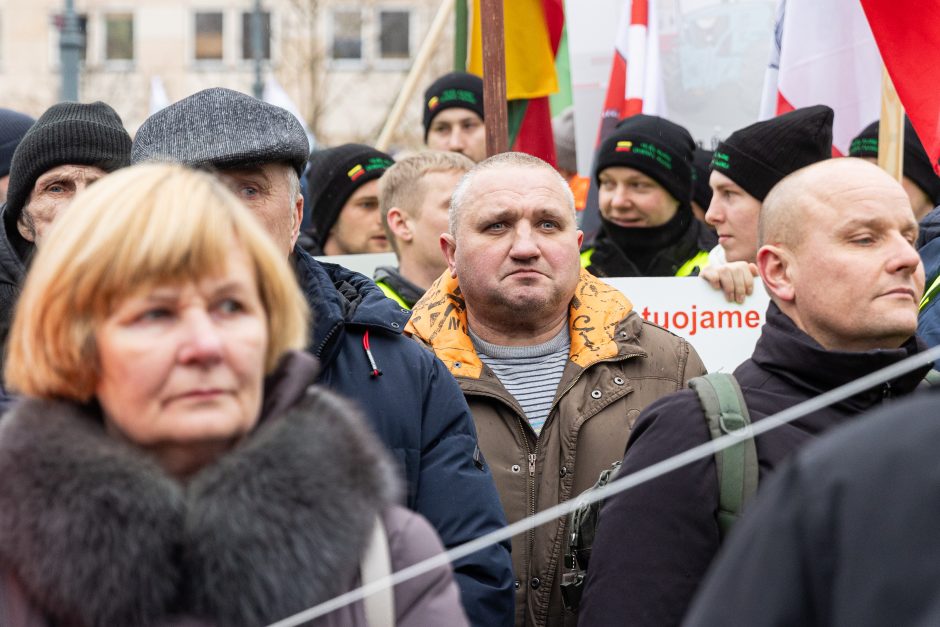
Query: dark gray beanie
x=68, y=133
x=13, y=126
x=758, y=156
x=222, y=128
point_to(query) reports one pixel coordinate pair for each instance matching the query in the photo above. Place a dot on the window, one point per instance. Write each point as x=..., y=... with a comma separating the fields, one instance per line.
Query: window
x=247, y=35
x=394, y=34
x=119, y=37
x=208, y=37
x=347, y=34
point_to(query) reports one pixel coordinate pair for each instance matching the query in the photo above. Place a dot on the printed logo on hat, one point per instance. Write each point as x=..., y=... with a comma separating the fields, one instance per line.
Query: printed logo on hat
x=433, y=102
x=378, y=163
x=659, y=155
x=721, y=161
x=624, y=146
x=460, y=95
x=864, y=146
x=356, y=172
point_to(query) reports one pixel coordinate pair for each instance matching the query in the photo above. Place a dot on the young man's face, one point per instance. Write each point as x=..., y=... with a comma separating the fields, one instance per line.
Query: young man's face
x=734, y=213
x=429, y=222
x=458, y=130
x=358, y=229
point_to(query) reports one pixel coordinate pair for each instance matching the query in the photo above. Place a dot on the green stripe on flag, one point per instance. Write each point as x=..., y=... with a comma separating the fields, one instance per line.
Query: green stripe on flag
x=461, y=28
x=563, y=99
x=515, y=110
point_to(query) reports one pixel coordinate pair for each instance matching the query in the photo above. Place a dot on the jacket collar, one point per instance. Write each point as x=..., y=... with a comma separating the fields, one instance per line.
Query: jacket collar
x=339, y=297
x=792, y=355
x=613, y=261
x=599, y=321
x=98, y=534
x=406, y=290
x=12, y=265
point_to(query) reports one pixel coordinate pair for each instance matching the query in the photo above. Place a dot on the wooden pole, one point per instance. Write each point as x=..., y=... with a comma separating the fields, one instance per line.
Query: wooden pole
x=494, y=76
x=417, y=70
x=891, y=130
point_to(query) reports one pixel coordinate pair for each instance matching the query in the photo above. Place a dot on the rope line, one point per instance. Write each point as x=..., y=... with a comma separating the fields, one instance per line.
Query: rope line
x=619, y=485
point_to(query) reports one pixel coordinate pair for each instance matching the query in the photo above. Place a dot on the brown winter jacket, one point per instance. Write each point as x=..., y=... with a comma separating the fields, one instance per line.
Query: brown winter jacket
x=618, y=365
x=93, y=533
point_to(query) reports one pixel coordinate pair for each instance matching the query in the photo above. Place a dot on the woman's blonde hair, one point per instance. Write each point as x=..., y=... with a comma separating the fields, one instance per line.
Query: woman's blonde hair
x=140, y=227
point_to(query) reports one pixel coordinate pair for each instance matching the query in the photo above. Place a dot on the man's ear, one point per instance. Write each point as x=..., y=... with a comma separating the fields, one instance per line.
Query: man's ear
x=399, y=223
x=296, y=217
x=449, y=248
x=776, y=267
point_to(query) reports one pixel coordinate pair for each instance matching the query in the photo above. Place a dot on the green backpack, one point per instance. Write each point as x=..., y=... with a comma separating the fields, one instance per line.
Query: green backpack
x=725, y=412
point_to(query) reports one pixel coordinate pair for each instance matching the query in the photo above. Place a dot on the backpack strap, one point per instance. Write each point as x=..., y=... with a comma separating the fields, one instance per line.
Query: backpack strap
x=931, y=379
x=376, y=563
x=726, y=412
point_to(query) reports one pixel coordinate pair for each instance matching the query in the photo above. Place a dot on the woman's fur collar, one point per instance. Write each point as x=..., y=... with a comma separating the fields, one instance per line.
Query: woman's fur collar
x=96, y=531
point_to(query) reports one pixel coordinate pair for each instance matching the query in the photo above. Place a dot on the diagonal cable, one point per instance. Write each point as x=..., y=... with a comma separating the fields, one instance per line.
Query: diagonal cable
x=619, y=485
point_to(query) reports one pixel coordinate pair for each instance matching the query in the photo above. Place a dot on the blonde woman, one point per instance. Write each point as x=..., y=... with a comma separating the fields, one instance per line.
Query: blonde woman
x=168, y=463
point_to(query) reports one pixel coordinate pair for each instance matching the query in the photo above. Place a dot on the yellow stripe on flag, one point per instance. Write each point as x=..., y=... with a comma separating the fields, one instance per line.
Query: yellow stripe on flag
x=530, y=64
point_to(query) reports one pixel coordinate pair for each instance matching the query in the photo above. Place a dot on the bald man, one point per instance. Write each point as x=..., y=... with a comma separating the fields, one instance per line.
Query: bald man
x=837, y=258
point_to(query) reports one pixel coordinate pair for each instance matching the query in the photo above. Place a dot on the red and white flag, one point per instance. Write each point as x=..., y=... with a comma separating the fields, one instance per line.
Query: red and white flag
x=635, y=84
x=908, y=35
x=824, y=53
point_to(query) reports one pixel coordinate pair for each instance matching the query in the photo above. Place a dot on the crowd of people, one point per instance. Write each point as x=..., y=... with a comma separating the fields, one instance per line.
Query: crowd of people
x=208, y=423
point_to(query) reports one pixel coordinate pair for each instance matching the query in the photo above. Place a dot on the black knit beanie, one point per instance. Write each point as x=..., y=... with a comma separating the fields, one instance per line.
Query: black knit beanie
x=658, y=148
x=756, y=157
x=457, y=89
x=916, y=162
x=701, y=190
x=13, y=125
x=68, y=133
x=335, y=173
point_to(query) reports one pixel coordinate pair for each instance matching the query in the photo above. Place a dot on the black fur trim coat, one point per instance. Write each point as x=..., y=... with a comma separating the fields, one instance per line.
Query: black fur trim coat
x=94, y=533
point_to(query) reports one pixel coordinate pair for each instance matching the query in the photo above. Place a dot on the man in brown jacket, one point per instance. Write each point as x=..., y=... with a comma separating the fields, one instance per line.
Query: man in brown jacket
x=554, y=364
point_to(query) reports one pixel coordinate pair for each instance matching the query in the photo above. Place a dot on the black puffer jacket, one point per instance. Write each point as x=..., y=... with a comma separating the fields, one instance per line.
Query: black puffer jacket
x=420, y=414
x=12, y=271
x=844, y=536
x=655, y=542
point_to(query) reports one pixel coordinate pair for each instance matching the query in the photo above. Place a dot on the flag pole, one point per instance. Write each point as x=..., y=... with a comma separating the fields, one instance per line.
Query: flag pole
x=891, y=129
x=494, y=76
x=417, y=70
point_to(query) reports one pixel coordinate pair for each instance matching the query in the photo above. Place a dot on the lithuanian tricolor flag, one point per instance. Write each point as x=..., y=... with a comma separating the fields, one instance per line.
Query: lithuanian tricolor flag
x=533, y=32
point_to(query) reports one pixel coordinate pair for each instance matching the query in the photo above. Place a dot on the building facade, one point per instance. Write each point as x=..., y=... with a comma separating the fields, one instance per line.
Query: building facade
x=342, y=63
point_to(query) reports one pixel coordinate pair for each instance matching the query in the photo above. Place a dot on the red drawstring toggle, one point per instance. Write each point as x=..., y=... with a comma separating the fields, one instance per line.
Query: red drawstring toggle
x=365, y=344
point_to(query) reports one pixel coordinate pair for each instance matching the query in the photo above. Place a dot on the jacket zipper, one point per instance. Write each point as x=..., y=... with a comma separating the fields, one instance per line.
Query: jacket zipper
x=533, y=457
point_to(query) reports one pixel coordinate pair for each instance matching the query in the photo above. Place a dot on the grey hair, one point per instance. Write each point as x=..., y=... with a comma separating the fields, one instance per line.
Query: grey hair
x=502, y=160
x=293, y=186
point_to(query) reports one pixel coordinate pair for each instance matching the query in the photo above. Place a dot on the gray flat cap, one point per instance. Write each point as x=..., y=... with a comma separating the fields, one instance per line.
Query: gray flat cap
x=221, y=128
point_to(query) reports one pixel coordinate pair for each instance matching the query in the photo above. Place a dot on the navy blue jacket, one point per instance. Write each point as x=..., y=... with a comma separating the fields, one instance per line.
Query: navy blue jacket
x=928, y=245
x=420, y=414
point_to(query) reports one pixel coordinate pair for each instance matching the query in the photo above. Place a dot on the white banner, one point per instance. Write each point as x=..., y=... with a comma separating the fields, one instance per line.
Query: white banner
x=723, y=333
